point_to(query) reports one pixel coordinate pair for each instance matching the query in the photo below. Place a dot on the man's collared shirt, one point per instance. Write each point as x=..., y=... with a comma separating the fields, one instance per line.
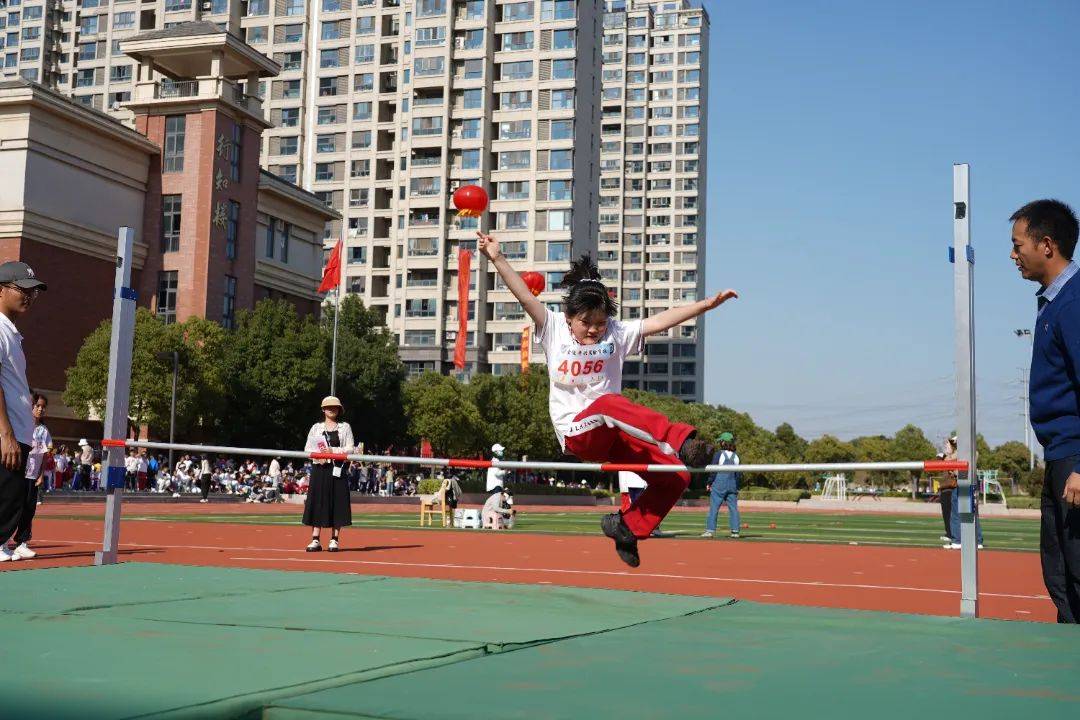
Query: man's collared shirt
x=1046, y=295
x=13, y=381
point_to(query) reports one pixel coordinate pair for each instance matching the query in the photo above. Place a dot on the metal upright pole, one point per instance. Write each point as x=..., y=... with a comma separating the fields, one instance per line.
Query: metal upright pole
x=172, y=408
x=333, y=352
x=963, y=256
x=117, y=393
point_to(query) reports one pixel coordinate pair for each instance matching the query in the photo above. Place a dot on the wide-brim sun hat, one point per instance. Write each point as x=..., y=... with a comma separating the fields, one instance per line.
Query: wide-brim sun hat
x=330, y=401
x=83, y=443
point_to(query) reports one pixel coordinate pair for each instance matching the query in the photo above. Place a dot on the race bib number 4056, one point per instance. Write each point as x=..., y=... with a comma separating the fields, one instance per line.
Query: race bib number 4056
x=583, y=364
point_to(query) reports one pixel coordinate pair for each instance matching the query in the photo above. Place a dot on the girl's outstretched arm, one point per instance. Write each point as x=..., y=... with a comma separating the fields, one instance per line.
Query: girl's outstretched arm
x=489, y=246
x=677, y=315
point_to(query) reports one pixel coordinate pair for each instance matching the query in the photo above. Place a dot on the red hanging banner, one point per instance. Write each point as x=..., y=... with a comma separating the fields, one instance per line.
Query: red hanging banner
x=464, y=263
x=526, y=338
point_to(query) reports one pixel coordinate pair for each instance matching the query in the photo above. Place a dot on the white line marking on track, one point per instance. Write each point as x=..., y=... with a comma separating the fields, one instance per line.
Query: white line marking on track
x=817, y=583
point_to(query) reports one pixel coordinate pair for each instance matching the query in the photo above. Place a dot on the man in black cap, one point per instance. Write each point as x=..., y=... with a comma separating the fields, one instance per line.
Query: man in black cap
x=18, y=288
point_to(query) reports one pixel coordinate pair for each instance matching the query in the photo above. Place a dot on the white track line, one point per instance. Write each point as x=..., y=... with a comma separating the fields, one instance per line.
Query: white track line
x=448, y=566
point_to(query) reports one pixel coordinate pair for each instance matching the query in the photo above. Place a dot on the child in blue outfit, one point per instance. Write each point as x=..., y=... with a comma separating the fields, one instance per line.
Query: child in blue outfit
x=724, y=487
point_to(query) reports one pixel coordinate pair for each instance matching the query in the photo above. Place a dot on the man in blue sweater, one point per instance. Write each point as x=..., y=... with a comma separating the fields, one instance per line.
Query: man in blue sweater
x=1043, y=240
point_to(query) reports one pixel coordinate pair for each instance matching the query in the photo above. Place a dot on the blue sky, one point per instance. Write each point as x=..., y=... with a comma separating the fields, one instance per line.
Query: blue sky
x=832, y=130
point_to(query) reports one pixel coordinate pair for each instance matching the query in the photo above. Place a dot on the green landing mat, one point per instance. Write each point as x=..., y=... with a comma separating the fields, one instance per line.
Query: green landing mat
x=154, y=640
x=743, y=660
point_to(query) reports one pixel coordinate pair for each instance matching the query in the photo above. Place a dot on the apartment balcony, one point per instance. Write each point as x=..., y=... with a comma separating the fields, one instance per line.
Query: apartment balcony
x=165, y=91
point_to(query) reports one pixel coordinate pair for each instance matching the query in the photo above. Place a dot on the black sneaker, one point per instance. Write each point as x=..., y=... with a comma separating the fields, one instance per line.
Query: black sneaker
x=625, y=542
x=696, y=453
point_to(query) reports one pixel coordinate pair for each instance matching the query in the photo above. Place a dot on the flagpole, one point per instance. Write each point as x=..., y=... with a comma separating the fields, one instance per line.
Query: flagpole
x=337, y=312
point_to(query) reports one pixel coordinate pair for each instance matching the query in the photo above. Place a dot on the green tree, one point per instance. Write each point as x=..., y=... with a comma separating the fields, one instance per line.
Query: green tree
x=514, y=410
x=1010, y=458
x=200, y=376
x=829, y=449
x=277, y=372
x=439, y=409
x=370, y=375
x=788, y=443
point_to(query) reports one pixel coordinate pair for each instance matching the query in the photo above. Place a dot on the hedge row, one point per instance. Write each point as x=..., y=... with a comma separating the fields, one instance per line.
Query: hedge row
x=430, y=486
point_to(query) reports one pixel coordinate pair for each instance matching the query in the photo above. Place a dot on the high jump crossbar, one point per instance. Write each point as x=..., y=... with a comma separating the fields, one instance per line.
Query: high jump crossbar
x=475, y=464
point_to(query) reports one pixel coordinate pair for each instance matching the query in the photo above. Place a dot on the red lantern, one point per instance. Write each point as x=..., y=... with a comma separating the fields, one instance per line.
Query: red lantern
x=534, y=281
x=470, y=200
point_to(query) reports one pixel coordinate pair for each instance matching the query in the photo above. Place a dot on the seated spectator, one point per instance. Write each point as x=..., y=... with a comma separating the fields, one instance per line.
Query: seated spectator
x=496, y=515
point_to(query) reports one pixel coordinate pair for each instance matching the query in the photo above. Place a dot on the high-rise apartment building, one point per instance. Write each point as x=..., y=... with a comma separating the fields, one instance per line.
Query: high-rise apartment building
x=652, y=180
x=580, y=117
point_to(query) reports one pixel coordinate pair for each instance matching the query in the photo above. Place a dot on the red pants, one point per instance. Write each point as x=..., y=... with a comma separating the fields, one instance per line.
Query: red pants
x=613, y=429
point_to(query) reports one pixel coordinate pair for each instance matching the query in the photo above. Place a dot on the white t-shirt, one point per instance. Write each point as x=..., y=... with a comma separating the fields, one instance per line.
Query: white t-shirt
x=35, y=461
x=579, y=374
x=629, y=480
x=13, y=381
x=496, y=477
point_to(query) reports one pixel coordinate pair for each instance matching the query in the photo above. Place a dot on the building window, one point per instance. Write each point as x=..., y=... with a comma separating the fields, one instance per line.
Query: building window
x=269, y=246
x=328, y=86
x=236, y=151
x=84, y=78
x=256, y=35
x=173, y=160
x=228, y=309
x=124, y=21
x=289, y=145
x=294, y=7
x=473, y=99
x=166, y=296
x=290, y=117
x=511, y=12
x=232, y=229
x=365, y=54
x=429, y=66
x=283, y=231
x=428, y=8
x=288, y=173
x=170, y=223
x=562, y=70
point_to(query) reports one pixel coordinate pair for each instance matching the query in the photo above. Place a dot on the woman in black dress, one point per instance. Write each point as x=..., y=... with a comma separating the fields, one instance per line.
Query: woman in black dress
x=327, y=504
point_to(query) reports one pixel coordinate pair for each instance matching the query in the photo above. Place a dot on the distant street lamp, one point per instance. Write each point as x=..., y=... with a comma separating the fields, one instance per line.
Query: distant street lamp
x=1026, y=333
x=175, y=357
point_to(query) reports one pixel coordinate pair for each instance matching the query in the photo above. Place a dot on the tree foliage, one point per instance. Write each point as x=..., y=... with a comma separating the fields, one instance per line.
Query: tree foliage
x=200, y=381
x=260, y=385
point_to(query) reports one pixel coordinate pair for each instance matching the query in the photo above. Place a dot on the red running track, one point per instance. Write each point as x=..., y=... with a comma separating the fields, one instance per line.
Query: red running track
x=916, y=580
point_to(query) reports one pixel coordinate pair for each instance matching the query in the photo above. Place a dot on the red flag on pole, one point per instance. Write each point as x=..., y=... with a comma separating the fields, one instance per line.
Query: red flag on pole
x=331, y=276
x=464, y=263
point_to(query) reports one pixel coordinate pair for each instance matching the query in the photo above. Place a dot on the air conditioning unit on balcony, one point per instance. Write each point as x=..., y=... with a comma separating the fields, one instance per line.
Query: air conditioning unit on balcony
x=459, y=43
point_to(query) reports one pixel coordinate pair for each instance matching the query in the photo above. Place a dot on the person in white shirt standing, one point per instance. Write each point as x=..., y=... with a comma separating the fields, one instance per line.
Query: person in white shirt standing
x=35, y=464
x=328, y=503
x=496, y=477
x=18, y=288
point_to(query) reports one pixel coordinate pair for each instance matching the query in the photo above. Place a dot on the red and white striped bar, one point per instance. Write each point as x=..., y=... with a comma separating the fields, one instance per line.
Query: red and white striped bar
x=466, y=463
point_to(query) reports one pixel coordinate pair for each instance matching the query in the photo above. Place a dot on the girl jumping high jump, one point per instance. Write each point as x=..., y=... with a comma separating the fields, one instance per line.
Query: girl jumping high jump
x=585, y=348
